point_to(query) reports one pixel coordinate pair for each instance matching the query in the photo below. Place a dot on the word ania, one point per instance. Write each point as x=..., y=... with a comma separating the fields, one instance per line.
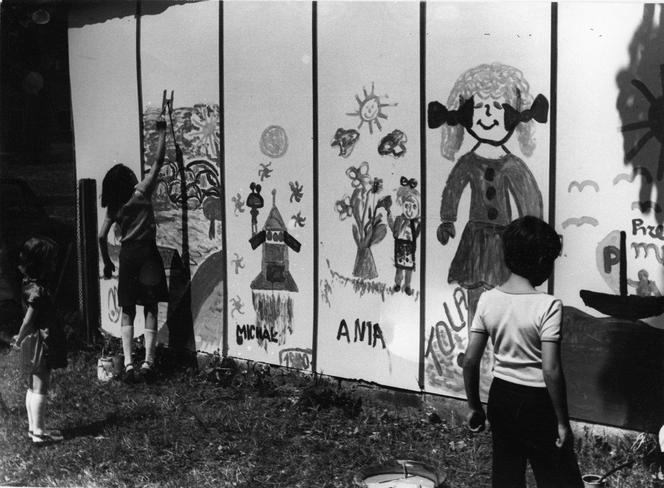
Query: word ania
x=372, y=332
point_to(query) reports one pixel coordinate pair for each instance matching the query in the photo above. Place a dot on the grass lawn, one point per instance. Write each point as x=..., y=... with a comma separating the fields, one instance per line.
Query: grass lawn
x=267, y=427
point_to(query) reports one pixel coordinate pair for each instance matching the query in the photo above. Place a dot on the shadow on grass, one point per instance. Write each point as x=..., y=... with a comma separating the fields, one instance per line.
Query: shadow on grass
x=113, y=419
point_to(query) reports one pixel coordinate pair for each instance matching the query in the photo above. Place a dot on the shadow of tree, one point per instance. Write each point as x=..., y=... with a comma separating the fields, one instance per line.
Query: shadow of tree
x=641, y=107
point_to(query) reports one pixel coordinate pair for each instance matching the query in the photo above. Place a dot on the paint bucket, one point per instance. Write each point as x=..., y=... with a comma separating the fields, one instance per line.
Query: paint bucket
x=109, y=367
x=598, y=481
x=593, y=481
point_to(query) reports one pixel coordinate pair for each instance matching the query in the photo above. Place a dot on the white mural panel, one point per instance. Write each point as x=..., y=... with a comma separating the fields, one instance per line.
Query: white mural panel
x=269, y=181
x=487, y=163
x=106, y=120
x=610, y=154
x=180, y=54
x=369, y=191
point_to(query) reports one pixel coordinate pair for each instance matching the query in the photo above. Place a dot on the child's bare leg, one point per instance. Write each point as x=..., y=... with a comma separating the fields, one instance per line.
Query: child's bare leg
x=150, y=332
x=40, y=383
x=128, y=315
x=28, y=409
x=38, y=399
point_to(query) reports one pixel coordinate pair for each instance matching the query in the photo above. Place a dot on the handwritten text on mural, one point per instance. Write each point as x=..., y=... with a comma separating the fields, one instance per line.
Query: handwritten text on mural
x=365, y=329
x=441, y=334
x=247, y=332
x=295, y=357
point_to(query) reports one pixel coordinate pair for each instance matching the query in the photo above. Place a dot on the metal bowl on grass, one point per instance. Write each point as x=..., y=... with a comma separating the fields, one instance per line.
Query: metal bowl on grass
x=400, y=473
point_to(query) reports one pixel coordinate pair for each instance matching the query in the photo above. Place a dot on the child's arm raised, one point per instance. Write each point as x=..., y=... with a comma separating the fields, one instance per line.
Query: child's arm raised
x=555, y=384
x=150, y=181
x=471, y=379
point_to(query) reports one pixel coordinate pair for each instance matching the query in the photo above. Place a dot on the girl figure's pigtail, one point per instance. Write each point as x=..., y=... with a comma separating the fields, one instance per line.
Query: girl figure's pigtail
x=496, y=80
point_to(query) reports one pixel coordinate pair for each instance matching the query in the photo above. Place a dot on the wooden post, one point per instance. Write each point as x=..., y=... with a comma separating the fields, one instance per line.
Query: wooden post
x=88, y=258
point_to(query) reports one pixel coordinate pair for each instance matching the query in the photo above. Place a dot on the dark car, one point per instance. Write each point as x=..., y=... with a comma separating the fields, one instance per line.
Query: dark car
x=23, y=215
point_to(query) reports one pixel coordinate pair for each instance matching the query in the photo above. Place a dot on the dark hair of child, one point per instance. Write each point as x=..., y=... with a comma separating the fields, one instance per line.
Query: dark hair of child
x=117, y=187
x=36, y=257
x=530, y=246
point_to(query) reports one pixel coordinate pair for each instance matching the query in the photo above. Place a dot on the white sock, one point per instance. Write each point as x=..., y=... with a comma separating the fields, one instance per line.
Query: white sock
x=28, y=400
x=127, y=343
x=150, y=345
x=38, y=406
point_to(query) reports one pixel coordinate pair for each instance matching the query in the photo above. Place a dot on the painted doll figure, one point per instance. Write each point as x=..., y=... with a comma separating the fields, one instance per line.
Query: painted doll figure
x=645, y=287
x=405, y=229
x=488, y=102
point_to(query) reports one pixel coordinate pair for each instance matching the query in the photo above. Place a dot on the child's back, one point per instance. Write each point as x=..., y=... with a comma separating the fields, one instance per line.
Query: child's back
x=517, y=324
x=527, y=406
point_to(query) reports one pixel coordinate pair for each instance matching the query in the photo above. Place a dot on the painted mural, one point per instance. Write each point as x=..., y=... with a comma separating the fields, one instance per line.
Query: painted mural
x=187, y=206
x=610, y=275
x=270, y=185
x=369, y=196
x=492, y=104
x=488, y=148
x=188, y=199
x=348, y=248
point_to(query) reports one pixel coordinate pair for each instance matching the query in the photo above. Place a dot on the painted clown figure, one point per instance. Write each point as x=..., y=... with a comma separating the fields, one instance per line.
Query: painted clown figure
x=488, y=103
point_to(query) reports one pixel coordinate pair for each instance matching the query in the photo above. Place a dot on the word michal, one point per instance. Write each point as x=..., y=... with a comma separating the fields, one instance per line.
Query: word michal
x=247, y=332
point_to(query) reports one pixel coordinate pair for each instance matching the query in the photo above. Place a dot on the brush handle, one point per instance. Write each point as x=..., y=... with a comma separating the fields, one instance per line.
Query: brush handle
x=611, y=471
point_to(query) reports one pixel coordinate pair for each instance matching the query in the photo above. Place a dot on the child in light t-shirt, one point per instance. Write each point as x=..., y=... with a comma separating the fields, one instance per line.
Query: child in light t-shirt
x=527, y=406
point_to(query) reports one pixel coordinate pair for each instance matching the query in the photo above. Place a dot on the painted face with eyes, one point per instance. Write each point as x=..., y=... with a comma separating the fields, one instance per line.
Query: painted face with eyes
x=411, y=208
x=489, y=121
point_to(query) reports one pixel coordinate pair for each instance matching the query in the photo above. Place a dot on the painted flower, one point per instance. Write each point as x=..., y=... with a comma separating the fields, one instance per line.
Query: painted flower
x=359, y=176
x=344, y=208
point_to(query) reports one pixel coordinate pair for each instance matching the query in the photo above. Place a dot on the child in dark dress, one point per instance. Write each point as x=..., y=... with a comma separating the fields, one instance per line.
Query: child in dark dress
x=41, y=338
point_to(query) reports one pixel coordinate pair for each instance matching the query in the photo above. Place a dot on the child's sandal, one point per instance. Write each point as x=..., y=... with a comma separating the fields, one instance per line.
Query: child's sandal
x=146, y=371
x=46, y=437
x=129, y=375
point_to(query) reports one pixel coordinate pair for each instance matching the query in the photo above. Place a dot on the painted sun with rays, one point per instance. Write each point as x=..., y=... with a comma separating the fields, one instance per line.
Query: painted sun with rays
x=654, y=123
x=370, y=109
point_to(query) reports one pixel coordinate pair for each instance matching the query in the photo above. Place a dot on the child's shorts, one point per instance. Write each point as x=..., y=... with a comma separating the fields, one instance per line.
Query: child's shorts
x=142, y=278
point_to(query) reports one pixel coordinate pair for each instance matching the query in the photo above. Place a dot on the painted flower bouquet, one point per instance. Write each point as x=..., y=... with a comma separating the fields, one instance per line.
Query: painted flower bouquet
x=368, y=227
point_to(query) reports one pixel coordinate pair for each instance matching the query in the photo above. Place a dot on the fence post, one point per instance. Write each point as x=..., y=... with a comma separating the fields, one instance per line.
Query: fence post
x=88, y=258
